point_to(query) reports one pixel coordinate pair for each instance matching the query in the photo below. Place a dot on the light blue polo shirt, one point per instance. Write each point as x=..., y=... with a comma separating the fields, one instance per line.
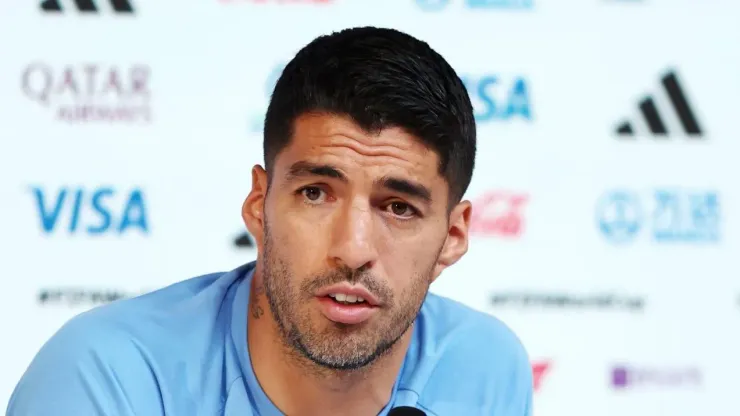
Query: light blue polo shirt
x=182, y=351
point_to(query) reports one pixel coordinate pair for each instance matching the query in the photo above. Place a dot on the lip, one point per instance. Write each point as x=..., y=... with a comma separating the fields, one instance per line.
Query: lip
x=346, y=314
x=349, y=289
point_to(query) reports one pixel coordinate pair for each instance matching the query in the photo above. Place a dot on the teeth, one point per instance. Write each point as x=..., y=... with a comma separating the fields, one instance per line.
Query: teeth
x=341, y=297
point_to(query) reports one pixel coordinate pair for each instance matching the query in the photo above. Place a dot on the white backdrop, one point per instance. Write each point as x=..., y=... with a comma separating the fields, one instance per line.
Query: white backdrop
x=136, y=180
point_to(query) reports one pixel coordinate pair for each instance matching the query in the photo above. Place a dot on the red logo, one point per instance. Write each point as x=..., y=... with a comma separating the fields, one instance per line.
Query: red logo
x=538, y=371
x=91, y=92
x=498, y=213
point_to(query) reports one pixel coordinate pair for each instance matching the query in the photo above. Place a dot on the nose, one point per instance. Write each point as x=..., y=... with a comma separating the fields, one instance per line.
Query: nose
x=352, y=238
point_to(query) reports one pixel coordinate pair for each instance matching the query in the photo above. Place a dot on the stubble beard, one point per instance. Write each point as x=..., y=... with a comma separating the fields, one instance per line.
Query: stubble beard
x=336, y=347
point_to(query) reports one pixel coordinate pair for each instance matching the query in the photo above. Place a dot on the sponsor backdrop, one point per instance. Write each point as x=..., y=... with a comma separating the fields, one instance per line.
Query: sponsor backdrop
x=605, y=191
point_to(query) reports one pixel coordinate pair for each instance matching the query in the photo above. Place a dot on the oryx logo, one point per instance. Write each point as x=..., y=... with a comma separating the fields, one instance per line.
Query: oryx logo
x=88, y=6
x=672, y=95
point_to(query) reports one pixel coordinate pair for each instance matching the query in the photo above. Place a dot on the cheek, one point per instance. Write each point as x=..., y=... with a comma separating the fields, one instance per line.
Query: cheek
x=299, y=243
x=406, y=263
x=418, y=243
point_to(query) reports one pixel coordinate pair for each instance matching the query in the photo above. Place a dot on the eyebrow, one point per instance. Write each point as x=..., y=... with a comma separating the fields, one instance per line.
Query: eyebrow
x=412, y=189
x=303, y=169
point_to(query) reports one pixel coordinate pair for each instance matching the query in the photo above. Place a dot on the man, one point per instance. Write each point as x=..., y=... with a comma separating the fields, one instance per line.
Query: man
x=369, y=145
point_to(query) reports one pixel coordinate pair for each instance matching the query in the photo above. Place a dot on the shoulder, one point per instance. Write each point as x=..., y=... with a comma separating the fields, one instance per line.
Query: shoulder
x=150, y=322
x=476, y=349
x=90, y=366
x=150, y=318
x=112, y=359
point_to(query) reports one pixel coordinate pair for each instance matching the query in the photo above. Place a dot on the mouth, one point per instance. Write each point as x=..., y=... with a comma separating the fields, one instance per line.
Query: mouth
x=347, y=299
x=348, y=309
x=347, y=294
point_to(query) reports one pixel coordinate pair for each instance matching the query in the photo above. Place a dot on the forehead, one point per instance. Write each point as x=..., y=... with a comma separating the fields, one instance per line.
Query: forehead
x=338, y=141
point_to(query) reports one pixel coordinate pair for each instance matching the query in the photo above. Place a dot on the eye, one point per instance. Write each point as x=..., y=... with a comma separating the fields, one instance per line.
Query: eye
x=313, y=195
x=401, y=209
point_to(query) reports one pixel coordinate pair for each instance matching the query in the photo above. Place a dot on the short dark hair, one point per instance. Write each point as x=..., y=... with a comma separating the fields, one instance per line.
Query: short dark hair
x=379, y=78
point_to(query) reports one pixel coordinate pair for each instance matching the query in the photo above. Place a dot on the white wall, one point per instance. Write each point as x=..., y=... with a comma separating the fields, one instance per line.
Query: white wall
x=664, y=308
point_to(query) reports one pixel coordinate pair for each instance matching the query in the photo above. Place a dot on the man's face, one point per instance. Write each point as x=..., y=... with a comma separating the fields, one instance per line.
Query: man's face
x=353, y=229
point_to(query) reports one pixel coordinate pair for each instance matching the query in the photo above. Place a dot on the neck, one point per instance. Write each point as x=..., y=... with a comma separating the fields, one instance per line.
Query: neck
x=297, y=386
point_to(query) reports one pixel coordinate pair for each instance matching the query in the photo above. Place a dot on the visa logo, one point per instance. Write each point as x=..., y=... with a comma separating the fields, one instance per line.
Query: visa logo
x=91, y=211
x=497, y=99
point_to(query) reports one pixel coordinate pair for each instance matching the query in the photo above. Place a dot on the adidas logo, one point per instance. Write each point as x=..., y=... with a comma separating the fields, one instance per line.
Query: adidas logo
x=244, y=240
x=656, y=122
x=88, y=6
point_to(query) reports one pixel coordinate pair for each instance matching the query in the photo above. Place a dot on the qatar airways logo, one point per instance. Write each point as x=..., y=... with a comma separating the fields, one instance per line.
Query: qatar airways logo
x=499, y=214
x=90, y=92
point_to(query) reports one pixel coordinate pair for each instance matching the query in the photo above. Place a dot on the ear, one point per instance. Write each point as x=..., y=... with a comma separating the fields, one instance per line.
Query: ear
x=253, y=207
x=456, y=244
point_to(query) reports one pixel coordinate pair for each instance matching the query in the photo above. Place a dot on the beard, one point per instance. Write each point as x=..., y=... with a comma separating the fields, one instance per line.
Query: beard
x=328, y=344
